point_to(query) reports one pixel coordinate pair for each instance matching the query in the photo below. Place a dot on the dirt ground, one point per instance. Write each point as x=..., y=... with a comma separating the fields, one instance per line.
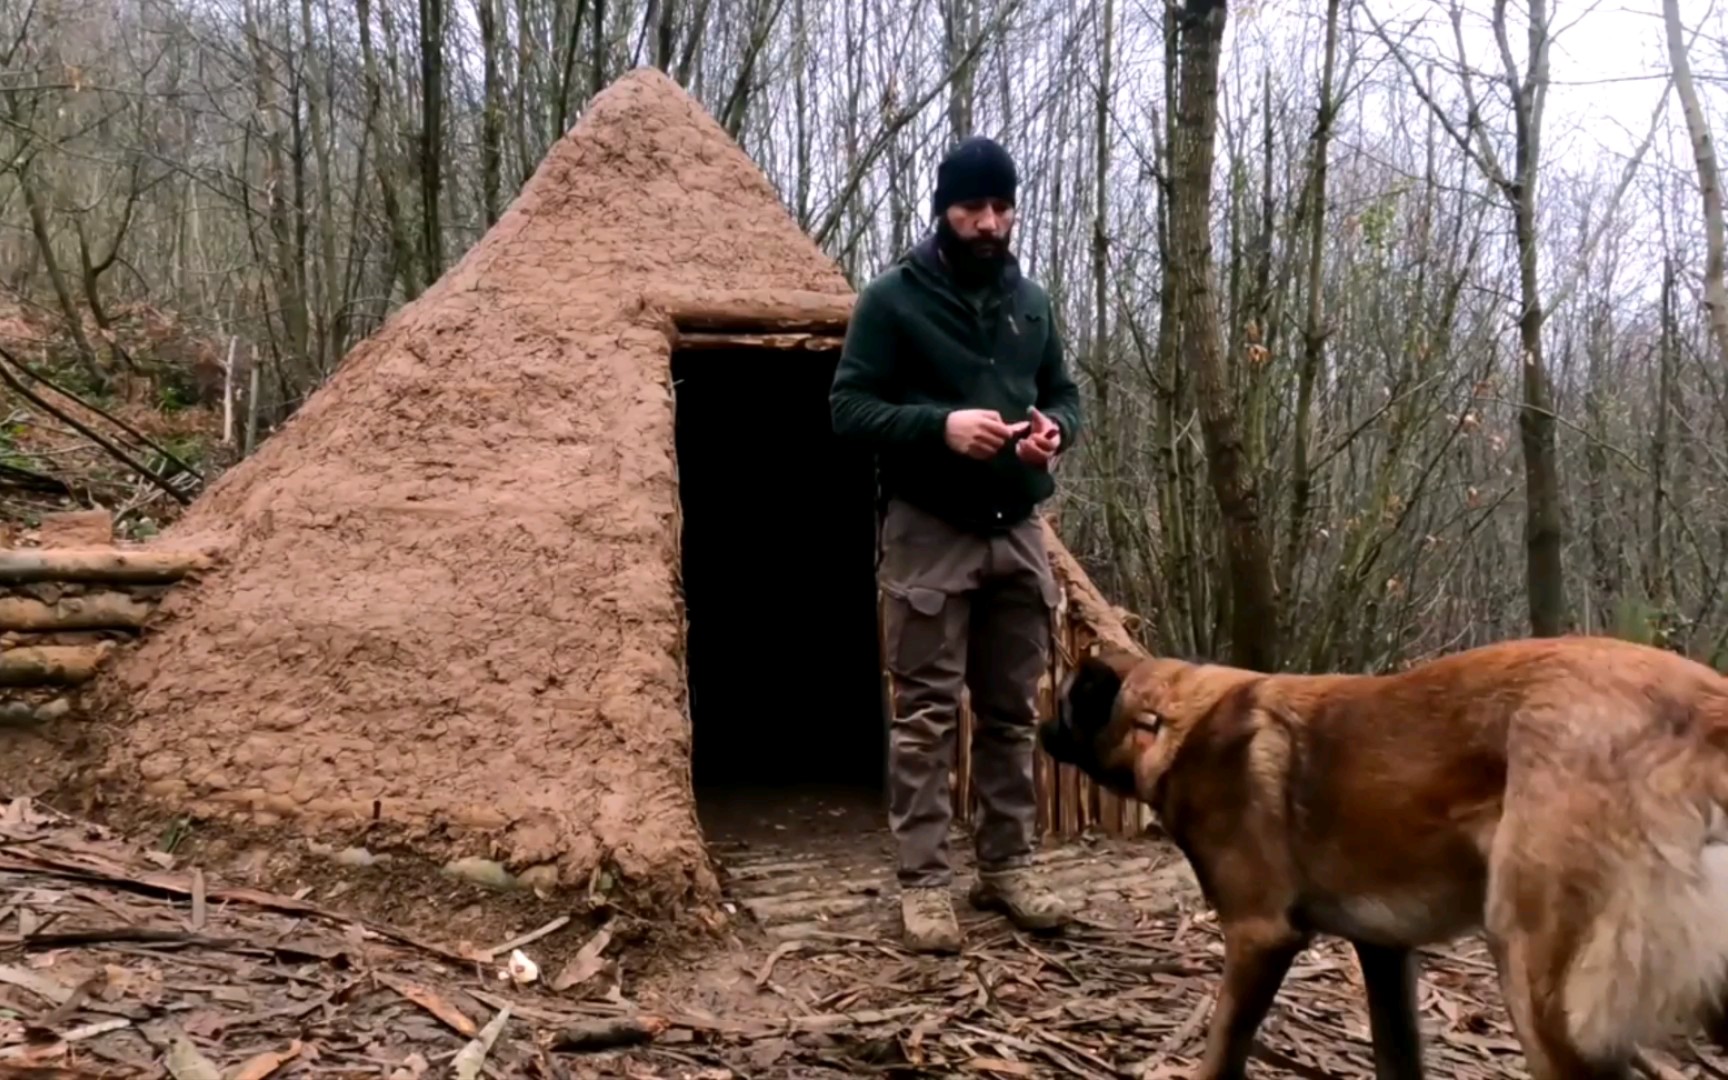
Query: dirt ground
x=120, y=960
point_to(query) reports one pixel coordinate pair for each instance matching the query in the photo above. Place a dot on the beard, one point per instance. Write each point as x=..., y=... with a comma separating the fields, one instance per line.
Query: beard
x=978, y=261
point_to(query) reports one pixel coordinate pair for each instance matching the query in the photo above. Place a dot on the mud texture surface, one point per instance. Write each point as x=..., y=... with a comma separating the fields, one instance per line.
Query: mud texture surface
x=446, y=612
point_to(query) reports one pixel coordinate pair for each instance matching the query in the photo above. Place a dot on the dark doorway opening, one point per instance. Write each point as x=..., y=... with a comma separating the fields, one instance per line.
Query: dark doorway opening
x=779, y=545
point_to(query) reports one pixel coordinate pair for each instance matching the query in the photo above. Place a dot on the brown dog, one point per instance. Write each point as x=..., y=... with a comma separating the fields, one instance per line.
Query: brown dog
x=1563, y=795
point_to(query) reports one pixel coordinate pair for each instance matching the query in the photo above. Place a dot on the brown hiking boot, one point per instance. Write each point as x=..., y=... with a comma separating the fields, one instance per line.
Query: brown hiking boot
x=928, y=919
x=1017, y=894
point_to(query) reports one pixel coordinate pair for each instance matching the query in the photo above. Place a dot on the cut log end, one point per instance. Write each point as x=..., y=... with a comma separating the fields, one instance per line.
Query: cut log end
x=29, y=714
x=52, y=665
x=95, y=611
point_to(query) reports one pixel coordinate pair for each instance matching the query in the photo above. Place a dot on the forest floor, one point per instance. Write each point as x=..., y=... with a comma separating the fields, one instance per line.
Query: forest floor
x=121, y=961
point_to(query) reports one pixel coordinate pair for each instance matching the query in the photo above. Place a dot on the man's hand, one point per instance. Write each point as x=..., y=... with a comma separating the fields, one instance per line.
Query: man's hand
x=979, y=433
x=1039, y=447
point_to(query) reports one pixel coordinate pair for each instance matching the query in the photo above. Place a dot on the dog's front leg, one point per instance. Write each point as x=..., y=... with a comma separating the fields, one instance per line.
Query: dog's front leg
x=1257, y=955
x=1390, y=977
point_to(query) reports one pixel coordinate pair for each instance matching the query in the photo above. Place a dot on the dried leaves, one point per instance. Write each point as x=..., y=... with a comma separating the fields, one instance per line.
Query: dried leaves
x=105, y=975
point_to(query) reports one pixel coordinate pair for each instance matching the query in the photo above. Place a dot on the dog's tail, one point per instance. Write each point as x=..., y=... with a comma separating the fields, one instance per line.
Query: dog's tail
x=1636, y=876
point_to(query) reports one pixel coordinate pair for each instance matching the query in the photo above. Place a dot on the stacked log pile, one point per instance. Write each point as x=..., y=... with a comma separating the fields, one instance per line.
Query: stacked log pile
x=64, y=610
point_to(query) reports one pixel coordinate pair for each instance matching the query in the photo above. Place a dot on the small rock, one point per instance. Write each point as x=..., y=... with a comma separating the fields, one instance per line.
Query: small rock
x=481, y=871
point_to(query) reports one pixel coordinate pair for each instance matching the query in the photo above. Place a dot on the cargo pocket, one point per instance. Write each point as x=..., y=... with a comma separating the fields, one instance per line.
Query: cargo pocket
x=916, y=627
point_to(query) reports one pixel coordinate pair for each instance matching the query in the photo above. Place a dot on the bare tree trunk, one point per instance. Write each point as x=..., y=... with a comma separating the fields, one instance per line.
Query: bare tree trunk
x=402, y=247
x=1545, y=571
x=431, y=135
x=318, y=115
x=57, y=276
x=1254, y=623
x=959, y=24
x=665, y=33
x=492, y=119
x=801, y=112
x=1314, y=323
x=1656, y=574
x=1709, y=179
x=597, y=54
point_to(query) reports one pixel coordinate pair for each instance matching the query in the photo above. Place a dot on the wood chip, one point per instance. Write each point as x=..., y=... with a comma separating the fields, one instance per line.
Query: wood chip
x=200, y=902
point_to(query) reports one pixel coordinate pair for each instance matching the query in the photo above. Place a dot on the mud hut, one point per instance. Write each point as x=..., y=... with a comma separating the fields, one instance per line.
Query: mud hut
x=532, y=565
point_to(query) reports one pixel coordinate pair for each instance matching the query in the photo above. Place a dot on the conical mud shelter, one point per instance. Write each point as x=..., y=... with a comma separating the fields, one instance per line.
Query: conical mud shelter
x=544, y=543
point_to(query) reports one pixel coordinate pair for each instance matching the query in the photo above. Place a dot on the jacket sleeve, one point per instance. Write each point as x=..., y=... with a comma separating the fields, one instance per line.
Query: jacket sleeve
x=1058, y=393
x=864, y=400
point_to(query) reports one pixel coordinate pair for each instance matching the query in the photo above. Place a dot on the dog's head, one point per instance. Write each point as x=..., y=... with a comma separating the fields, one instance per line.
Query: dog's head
x=1121, y=718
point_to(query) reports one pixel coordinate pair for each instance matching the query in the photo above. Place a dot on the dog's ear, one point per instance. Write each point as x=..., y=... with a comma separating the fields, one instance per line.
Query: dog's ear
x=1088, y=700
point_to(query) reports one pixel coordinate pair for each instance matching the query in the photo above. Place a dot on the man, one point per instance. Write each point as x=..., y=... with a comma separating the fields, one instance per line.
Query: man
x=953, y=371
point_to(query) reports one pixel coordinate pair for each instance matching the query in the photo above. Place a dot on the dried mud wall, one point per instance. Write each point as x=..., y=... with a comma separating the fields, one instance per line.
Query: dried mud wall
x=447, y=609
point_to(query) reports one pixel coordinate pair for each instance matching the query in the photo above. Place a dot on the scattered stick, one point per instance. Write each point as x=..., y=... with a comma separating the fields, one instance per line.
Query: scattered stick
x=177, y=461
x=486, y=956
x=99, y=1027
x=607, y=1034
x=452, y=1017
x=783, y=950
x=200, y=903
x=85, y=430
x=260, y=1066
x=472, y=1057
x=28, y=1052
x=28, y=480
x=144, y=935
x=88, y=868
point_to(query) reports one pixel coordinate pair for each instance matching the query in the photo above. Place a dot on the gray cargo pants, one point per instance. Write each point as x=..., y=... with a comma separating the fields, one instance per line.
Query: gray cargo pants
x=962, y=610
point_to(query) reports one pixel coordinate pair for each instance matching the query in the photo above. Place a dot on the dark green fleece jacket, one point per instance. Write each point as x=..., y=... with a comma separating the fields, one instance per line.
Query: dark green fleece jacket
x=918, y=348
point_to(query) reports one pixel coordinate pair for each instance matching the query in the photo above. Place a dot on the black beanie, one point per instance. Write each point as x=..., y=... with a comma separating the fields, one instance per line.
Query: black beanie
x=978, y=168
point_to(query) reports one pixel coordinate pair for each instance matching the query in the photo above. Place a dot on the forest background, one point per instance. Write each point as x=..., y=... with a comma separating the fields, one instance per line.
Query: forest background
x=1401, y=324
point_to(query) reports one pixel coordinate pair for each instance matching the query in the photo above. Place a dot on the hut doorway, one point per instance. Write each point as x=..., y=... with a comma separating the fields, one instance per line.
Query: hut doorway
x=778, y=561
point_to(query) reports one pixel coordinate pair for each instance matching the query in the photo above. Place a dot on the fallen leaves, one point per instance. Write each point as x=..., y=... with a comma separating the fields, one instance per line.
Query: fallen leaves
x=472, y=1056
x=586, y=964
x=262, y=1066
x=457, y=1020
